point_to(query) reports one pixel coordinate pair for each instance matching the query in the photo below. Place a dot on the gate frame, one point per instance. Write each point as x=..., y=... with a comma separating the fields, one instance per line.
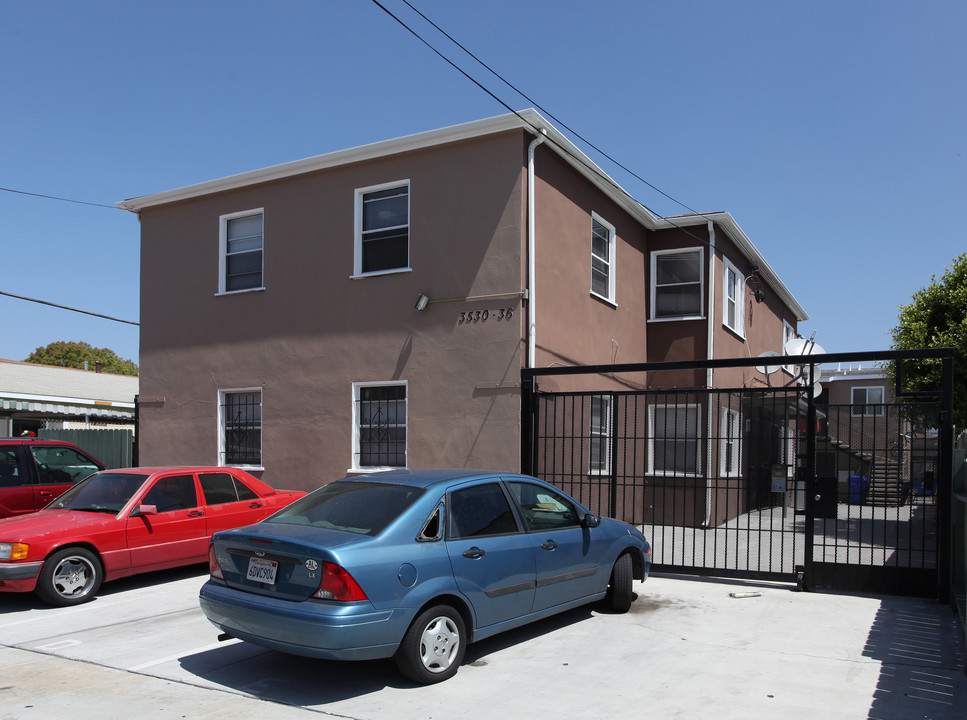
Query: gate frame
x=529, y=392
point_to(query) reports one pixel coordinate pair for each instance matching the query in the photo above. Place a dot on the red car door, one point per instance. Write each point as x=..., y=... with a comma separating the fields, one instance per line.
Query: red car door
x=59, y=468
x=16, y=485
x=175, y=532
x=229, y=502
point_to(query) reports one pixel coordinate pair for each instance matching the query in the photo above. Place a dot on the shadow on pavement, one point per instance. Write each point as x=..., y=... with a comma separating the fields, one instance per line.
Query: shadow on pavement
x=922, y=671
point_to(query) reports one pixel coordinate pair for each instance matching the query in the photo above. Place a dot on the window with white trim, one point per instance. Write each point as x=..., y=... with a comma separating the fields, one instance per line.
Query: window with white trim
x=677, y=284
x=675, y=439
x=382, y=242
x=379, y=417
x=733, y=308
x=867, y=401
x=602, y=258
x=600, y=435
x=240, y=427
x=240, y=251
x=730, y=452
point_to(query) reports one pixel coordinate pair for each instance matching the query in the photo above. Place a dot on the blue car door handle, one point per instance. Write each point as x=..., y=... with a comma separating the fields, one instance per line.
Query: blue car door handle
x=548, y=545
x=474, y=553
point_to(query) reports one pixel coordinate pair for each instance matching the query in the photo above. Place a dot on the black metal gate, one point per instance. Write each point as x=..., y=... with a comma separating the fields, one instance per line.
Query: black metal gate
x=761, y=482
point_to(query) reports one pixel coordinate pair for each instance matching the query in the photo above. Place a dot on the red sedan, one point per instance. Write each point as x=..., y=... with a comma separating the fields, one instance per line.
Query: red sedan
x=122, y=522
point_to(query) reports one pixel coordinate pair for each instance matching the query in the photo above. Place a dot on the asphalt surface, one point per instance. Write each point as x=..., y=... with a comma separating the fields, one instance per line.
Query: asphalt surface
x=688, y=649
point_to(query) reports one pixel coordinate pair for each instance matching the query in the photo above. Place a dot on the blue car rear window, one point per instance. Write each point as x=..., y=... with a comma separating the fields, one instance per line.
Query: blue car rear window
x=358, y=507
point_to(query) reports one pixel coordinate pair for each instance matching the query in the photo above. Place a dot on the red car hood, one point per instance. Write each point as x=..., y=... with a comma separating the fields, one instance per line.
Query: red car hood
x=52, y=523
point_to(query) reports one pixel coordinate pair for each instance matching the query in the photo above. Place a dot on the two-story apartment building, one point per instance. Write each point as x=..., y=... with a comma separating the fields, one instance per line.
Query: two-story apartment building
x=374, y=307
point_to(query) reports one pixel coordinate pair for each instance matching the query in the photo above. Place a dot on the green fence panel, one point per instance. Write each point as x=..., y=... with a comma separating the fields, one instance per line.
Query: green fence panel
x=114, y=448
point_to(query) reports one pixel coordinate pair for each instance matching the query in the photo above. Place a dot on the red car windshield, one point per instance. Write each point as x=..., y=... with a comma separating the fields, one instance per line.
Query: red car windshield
x=105, y=492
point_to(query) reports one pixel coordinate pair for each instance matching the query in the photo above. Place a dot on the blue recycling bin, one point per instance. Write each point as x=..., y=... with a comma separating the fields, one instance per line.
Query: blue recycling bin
x=859, y=486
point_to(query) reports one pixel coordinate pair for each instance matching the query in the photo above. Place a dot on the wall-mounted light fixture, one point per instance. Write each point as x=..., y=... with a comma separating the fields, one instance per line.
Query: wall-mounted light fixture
x=755, y=284
x=421, y=302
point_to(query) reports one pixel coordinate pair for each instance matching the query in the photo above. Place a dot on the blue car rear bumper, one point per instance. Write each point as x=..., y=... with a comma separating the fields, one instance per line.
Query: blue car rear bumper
x=319, y=629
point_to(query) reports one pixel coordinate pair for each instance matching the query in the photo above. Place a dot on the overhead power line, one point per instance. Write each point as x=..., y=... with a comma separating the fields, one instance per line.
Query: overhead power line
x=65, y=307
x=493, y=95
x=62, y=199
x=549, y=114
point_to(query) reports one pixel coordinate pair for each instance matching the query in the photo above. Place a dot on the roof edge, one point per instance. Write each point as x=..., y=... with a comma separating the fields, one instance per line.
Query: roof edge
x=417, y=141
x=746, y=247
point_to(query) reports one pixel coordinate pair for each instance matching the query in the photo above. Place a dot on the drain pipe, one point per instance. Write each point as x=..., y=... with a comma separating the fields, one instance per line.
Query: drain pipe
x=710, y=373
x=531, y=245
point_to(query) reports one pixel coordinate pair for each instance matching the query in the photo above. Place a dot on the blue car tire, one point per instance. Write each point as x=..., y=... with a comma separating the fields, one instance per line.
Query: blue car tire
x=620, y=594
x=433, y=646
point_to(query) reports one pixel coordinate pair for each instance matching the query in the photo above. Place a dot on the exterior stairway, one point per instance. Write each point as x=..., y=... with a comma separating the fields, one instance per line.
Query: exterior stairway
x=885, y=487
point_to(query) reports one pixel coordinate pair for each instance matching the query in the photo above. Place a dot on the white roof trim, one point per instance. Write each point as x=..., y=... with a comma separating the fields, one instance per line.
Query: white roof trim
x=725, y=221
x=529, y=120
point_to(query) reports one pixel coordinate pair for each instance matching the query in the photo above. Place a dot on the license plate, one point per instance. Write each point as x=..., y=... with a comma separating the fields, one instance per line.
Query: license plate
x=262, y=571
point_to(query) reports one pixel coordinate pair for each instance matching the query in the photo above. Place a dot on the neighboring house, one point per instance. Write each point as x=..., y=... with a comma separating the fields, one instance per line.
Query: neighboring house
x=890, y=447
x=374, y=307
x=45, y=397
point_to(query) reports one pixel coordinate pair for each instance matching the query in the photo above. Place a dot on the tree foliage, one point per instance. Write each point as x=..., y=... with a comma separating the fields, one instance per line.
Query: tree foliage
x=74, y=355
x=937, y=318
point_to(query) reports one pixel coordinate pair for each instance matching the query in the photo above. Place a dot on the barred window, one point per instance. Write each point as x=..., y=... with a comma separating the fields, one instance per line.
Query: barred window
x=600, y=434
x=675, y=439
x=380, y=433
x=241, y=427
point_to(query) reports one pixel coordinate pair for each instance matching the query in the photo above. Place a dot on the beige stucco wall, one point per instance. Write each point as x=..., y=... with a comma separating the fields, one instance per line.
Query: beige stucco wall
x=314, y=330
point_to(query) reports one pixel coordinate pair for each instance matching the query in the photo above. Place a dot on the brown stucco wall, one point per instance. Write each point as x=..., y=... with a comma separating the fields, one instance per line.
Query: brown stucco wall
x=314, y=330
x=575, y=327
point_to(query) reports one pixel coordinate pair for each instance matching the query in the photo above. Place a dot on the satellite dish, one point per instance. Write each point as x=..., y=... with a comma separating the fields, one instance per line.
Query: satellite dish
x=768, y=369
x=817, y=389
x=801, y=346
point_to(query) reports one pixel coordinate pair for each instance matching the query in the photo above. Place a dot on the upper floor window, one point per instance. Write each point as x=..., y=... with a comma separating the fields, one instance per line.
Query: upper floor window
x=602, y=258
x=867, y=401
x=677, y=284
x=240, y=255
x=733, y=309
x=240, y=425
x=382, y=228
x=380, y=425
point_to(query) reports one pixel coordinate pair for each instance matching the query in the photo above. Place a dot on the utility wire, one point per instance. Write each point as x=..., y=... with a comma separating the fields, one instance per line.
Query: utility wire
x=54, y=197
x=65, y=307
x=560, y=122
x=460, y=70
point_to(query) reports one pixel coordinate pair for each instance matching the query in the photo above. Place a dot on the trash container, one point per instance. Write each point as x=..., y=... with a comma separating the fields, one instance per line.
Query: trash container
x=858, y=487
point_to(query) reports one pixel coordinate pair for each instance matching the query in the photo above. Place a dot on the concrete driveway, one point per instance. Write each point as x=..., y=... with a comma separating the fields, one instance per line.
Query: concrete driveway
x=688, y=649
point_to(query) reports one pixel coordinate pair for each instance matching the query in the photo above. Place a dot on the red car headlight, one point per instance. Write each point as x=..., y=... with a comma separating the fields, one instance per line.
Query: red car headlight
x=14, y=551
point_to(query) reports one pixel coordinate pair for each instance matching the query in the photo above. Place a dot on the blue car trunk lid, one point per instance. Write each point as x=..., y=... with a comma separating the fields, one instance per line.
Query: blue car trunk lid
x=288, y=568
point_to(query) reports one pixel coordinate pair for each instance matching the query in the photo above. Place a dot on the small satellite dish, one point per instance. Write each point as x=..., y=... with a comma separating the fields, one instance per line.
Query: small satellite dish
x=817, y=389
x=768, y=369
x=801, y=346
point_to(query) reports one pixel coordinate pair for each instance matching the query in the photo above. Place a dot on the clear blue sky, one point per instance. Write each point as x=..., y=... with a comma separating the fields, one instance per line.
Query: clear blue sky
x=833, y=131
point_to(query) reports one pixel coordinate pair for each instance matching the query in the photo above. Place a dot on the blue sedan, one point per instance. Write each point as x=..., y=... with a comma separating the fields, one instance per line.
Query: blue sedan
x=414, y=565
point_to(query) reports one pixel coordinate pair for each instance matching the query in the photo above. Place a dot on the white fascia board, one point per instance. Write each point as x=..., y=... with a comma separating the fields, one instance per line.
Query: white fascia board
x=384, y=148
x=725, y=221
x=59, y=400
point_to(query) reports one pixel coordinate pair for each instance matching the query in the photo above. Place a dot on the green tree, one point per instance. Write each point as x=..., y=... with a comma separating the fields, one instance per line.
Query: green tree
x=937, y=318
x=74, y=354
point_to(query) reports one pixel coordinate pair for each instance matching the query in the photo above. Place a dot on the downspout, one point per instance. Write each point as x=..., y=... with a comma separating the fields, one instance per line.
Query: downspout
x=531, y=245
x=710, y=373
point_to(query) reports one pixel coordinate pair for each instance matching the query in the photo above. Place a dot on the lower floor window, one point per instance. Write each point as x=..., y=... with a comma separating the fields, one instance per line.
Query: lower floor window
x=241, y=427
x=380, y=432
x=675, y=439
